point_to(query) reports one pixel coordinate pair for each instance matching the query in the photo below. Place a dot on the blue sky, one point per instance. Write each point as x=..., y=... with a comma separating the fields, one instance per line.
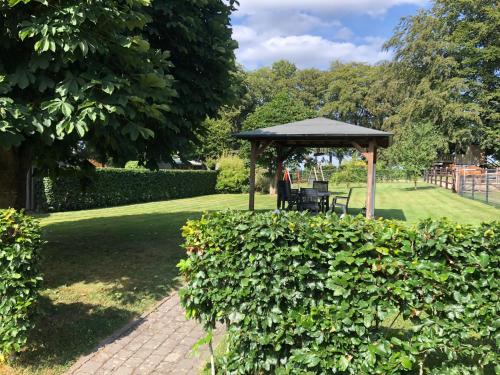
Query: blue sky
x=313, y=33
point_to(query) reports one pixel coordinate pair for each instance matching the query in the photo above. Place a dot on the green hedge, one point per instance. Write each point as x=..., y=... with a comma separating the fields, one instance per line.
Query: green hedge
x=308, y=294
x=113, y=187
x=20, y=278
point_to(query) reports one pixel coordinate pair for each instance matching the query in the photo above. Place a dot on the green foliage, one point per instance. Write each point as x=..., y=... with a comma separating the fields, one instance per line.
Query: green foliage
x=233, y=175
x=448, y=59
x=108, y=187
x=360, y=94
x=351, y=172
x=263, y=181
x=197, y=36
x=416, y=148
x=282, y=109
x=133, y=164
x=215, y=140
x=20, y=278
x=126, y=79
x=306, y=294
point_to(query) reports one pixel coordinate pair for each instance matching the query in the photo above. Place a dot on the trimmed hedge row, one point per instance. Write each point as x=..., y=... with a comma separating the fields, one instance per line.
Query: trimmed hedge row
x=113, y=187
x=308, y=294
x=20, y=278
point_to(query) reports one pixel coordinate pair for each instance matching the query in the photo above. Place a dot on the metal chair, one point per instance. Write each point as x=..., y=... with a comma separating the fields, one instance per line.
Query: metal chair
x=287, y=197
x=309, y=200
x=322, y=187
x=345, y=204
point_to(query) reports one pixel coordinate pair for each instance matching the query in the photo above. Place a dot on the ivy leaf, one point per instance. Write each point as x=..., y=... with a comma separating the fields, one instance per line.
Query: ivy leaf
x=406, y=362
x=484, y=259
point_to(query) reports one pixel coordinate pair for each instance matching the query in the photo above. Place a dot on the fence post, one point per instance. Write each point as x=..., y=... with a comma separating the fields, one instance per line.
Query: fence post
x=473, y=185
x=487, y=185
x=446, y=171
x=440, y=177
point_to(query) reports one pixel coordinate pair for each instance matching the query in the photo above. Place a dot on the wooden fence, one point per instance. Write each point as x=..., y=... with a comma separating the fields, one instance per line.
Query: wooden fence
x=444, y=177
x=471, y=182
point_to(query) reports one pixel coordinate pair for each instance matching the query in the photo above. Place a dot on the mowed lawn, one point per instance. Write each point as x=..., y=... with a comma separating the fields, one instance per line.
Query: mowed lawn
x=104, y=267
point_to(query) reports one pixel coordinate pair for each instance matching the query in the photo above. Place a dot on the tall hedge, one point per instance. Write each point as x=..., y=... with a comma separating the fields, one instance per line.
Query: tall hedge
x=308, y=294
x=20, y=278
x=114, y=186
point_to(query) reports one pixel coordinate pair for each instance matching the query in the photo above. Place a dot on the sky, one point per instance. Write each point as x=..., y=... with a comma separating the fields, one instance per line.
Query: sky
x=313, y=33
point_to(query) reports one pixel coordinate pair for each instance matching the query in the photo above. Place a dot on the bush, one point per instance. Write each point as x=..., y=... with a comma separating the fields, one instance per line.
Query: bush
x=112, y=187
x=233, y=175
x=263, y=181
x=133, y=164
x=308, y=294
x=20, y=278
x=351, y=172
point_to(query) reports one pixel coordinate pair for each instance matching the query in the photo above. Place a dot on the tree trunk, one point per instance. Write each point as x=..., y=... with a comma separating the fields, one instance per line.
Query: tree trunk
x=14, y=166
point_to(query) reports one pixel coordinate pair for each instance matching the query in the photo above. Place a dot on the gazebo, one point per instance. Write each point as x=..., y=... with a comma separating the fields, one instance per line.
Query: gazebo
x=317, y=132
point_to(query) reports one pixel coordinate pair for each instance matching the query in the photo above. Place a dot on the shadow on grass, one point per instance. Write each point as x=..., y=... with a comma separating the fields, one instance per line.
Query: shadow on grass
x=65, y=331
x=419, y=188
x=99, y=274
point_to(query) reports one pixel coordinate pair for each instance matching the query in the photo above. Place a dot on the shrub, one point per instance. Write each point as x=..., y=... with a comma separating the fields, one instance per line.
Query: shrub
x=351, y=172
x=133, y=164
x=20, y=278
x=263, y=181
x=112, y=187
x=320, y=295
x=233, y=175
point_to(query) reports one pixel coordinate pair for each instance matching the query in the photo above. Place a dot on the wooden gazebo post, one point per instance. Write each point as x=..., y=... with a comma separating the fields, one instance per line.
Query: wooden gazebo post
x=253, y=161
x=370, y=154
x=371, y=158
x=256, y=149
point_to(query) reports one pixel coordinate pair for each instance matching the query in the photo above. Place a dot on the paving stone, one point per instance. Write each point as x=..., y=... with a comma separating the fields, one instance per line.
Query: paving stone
x=159, y=342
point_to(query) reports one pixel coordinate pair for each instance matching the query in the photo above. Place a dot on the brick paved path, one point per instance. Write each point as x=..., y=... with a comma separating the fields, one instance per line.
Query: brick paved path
x=159, y=342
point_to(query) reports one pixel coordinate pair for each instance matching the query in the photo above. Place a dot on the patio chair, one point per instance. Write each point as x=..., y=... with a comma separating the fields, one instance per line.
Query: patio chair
x=345, y=202
x=322, y=186
x=287, y=197
x=309, y=200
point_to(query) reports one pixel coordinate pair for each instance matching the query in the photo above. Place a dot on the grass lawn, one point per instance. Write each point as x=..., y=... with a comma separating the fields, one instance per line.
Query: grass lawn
x=104, y=267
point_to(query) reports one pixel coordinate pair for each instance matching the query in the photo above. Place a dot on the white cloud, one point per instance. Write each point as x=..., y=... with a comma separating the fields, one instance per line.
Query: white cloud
x=309, y=51
x=307, y=32
x=372, y=7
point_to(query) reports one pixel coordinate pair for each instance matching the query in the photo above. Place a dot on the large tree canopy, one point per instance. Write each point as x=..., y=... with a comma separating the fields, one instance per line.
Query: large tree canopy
x=125, y=79
x=449, y=58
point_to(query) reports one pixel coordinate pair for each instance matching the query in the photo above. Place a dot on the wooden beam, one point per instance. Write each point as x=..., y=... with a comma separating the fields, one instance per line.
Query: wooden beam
x=360, y=149
x=279, y=166
x=371, y=157
x=251, y=190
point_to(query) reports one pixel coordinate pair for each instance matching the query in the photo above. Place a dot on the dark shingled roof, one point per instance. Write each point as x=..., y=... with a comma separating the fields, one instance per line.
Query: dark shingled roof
x=318, y=132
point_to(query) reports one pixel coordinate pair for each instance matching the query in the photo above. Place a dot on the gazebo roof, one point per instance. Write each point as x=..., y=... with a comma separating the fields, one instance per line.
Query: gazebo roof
x=318, y=132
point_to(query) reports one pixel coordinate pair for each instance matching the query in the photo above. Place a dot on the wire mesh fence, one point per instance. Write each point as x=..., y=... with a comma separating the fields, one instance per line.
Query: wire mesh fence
x=484, y=186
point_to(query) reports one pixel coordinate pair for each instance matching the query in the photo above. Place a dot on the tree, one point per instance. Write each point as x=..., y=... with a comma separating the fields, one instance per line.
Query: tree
x=416, y=147
x=448, y=58
x=282, y=109
x=309, y=86
x=217, y=139
x=100, y=76
x=346, y=96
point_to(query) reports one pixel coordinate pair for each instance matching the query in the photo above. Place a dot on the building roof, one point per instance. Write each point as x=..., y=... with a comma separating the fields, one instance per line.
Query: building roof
x=318, y=132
